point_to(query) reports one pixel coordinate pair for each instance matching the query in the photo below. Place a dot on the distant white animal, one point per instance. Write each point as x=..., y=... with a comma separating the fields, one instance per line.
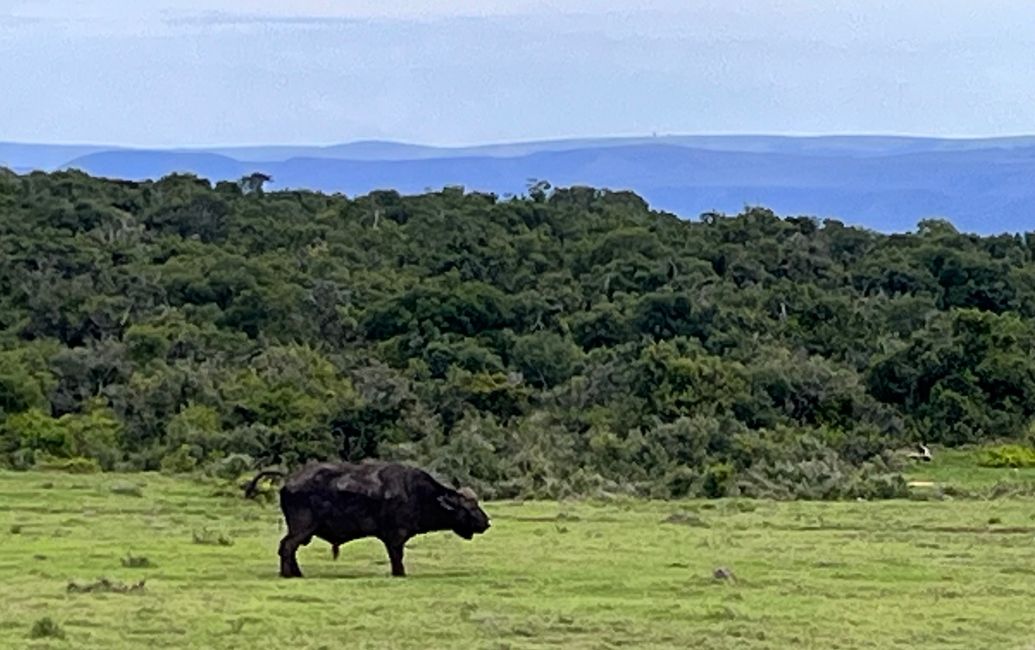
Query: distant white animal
x=923, y=454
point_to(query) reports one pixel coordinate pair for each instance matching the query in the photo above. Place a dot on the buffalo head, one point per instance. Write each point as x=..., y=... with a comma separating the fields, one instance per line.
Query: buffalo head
x=468, y=517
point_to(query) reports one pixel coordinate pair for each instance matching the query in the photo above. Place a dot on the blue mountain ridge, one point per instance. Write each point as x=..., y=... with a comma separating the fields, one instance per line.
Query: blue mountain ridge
x=886, y=183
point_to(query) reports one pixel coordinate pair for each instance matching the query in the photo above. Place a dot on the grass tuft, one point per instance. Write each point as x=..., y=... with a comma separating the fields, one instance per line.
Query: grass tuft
x=212, y=538
x=127, y=489
x=131, y=561
x=105, y=586
x=684, y=518
x=46, y=628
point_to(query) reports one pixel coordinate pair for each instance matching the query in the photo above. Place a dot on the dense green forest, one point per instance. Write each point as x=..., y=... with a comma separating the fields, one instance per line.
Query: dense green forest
x=568, y=341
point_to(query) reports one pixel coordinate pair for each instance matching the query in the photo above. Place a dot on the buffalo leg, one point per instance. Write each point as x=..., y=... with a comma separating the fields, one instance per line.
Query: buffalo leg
x=395, y=554
x=288, y=562
x=296, y=536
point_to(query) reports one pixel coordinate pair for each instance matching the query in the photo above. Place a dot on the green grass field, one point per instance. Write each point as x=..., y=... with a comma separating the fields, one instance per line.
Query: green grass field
x=901, y=574
x=959, y=468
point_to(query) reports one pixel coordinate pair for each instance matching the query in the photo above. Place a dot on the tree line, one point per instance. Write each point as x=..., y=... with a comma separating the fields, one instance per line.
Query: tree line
x=567, y=341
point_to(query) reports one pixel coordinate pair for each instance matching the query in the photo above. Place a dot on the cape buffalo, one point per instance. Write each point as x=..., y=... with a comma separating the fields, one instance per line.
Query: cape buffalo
x=340, y=502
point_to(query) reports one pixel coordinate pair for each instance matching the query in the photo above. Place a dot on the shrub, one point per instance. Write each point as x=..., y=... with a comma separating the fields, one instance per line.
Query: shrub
x=23, y=459
x=878, y=486
x=718, y=480
x=46, y=628
x=810, y=479
x=75, y=465
x=680, y=482
x=1008, y=456
x=1009, y=490
x=93, y=434
x=807, y=469
x=180, y=461
x=198, y=428
x=231, y=467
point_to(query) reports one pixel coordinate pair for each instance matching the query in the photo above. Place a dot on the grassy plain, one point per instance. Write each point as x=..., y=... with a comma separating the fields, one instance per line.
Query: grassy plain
x=899, y=574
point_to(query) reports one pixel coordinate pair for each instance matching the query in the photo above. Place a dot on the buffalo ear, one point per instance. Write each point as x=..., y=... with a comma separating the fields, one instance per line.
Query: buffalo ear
x=446, y=504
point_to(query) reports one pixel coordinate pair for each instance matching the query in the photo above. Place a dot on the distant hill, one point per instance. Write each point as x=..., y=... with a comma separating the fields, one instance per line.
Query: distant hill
x=44, y=157
x=819, y=145
x=886, y=183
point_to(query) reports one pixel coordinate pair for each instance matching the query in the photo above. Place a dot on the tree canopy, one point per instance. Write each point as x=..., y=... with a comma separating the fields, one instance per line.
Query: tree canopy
x=562, y=342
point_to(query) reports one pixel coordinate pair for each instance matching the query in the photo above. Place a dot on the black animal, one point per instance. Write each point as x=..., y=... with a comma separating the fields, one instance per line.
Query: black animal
x=340, y=502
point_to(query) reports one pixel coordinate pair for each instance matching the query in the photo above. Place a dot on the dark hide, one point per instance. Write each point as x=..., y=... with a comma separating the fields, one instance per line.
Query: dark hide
x=340, y=502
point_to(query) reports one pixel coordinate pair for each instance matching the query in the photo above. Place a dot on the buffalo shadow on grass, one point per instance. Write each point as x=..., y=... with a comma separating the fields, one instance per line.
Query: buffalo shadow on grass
x=375, y=575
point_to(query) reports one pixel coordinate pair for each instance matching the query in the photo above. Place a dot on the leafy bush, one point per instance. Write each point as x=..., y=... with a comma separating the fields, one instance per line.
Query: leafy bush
x=1007, y=456
x=231, y=467
x=197, y=428
x=872, y=485
x=680, y=482
x=93, y=435
x=1008, y=490
x=180, y=461
x=21, y=459
x=718, y=480
x=76, y=465
x=808, y=469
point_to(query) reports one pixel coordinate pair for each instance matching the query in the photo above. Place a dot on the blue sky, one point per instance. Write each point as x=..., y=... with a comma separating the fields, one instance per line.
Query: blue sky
x=191, y=72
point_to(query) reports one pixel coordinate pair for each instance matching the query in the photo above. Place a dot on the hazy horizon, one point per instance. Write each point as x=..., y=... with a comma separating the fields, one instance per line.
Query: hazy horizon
x=473, y=144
